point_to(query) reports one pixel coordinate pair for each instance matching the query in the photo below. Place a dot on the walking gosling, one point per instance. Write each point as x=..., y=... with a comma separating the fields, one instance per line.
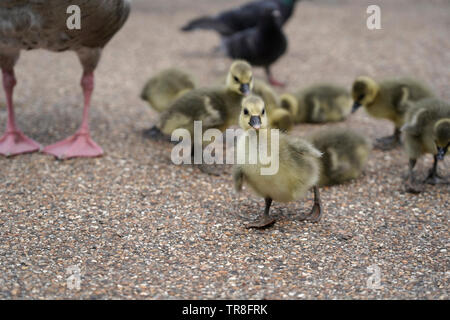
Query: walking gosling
x=389, y=99
x=427, y=130
x=298, y=164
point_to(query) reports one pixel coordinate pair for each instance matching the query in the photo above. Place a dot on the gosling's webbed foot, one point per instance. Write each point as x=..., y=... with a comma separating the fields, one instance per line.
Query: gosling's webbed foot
x=316, y=213
x=387, y=143
x=435, y=179
x=261, y=223
x=314, y=216
x=413, y=187
x=155, y=134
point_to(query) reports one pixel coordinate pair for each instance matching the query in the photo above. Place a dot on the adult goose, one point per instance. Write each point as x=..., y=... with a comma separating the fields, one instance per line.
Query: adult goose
x=34, y=24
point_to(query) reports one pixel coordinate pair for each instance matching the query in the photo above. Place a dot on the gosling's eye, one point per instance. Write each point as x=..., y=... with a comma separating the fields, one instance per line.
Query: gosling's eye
x=263, y=111
x=246, y=112
x=236, y=79
x=360, y=97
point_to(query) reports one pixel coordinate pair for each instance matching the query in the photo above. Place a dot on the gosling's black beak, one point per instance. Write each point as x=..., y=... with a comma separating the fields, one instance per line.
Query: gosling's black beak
x=356, y=106
x=441, y=152
x=255, y=122
x=245, y=89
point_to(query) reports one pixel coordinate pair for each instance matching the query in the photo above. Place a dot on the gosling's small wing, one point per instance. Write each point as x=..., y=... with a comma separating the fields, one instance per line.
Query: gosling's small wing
x=200, y=105
x=423, y=114
x=417, y=122
x=301, y=147
x=401, y=99
x=406, y=91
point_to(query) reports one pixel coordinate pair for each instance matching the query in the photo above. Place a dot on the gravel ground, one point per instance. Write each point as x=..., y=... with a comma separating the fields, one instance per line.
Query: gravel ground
x=139, y=227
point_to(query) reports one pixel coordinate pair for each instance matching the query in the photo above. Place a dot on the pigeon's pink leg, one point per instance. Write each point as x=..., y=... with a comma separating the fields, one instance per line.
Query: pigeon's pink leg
x=272, y=80
x=80, y=144
x=276, y=83
x=14, y=142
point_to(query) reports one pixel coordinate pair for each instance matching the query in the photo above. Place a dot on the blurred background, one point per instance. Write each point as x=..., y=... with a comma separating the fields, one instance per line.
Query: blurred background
x=328, y=41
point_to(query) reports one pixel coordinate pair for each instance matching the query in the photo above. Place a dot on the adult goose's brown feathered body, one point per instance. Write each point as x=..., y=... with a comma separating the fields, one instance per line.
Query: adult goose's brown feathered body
x=34, y=24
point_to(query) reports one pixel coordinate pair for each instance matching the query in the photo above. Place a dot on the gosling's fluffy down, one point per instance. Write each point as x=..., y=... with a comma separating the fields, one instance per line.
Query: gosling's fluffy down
x=388, y=99
x=299, y=164
x=427, y=130
x=318, y=104
x=345, y=153
x=281, y=119
x=217, y=107
x=427, y=127
x=298, y=172
x=267, y=93
x=165, y=87
x=278, y=118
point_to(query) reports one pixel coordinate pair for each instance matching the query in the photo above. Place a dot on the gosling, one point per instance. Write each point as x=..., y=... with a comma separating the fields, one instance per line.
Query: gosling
x=345, y=154
x=319, y=103
x=389, y=99
x=298, y=164
x=427, y=130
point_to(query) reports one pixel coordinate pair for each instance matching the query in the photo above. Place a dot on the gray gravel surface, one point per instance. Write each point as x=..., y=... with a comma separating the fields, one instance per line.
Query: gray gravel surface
x=139, y=227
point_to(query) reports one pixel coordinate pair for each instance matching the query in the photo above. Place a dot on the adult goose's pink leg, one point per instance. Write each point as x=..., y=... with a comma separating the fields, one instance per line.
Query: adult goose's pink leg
x=14, y=142
x=80, y=144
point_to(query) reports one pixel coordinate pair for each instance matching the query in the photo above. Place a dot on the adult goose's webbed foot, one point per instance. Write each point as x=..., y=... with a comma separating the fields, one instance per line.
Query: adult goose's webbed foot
x=14, y=141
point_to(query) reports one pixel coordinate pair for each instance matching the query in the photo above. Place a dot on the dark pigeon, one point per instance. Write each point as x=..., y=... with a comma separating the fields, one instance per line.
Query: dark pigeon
x=35, y=24
x=244, y=17
x=261, y=45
